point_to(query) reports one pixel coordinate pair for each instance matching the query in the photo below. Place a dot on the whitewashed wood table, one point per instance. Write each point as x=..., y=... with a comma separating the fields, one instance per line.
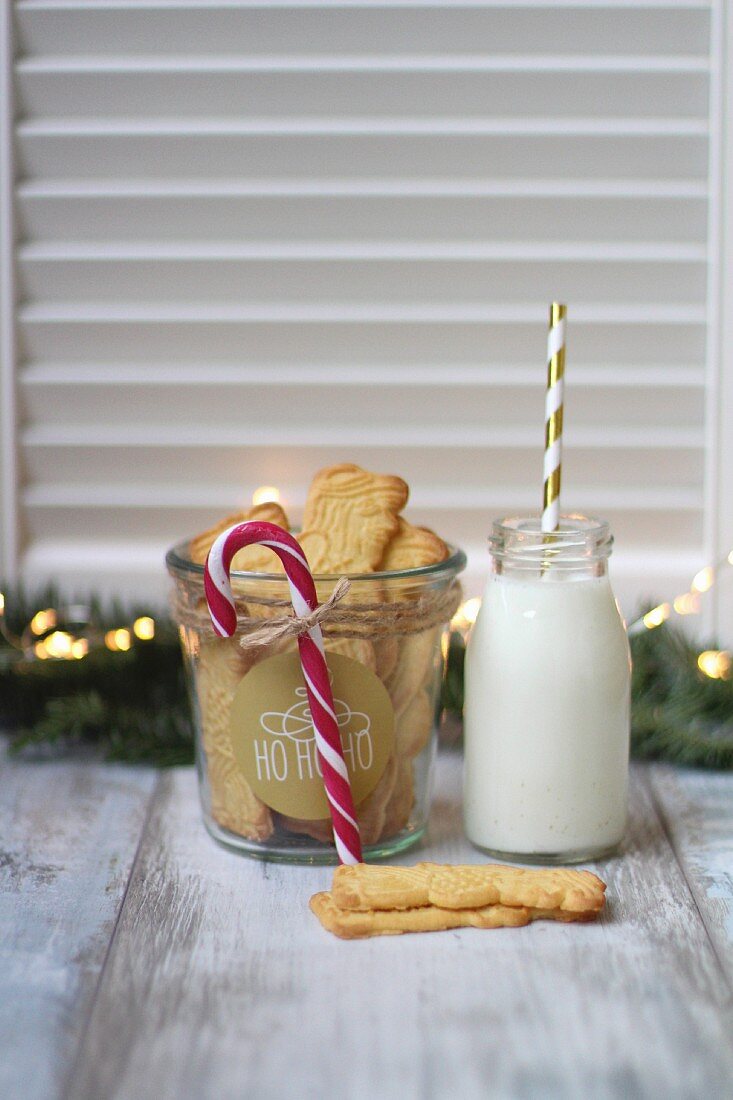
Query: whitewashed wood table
x=138, y=959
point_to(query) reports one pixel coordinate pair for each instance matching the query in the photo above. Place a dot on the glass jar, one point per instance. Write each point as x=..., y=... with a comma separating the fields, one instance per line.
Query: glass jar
x=259, y=779
x=547, y=697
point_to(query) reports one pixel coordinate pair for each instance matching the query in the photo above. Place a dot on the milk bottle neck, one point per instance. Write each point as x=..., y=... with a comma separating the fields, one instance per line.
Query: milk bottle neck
x=578, y=550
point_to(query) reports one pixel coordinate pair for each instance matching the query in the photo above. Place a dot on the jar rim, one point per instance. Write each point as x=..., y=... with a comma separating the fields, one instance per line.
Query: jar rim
x=180, y=564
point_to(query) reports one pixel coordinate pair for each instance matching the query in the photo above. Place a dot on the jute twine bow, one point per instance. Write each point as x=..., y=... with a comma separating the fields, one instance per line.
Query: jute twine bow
x=290, y=626
x=369, y=620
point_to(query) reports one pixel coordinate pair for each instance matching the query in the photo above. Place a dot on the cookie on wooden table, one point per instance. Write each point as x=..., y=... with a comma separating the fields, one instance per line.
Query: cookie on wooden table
x=350, y=924
x=555, y=888
x=466, y=887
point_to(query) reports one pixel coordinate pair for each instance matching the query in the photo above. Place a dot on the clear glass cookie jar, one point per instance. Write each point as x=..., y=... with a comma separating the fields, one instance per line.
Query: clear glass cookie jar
x=259, y=780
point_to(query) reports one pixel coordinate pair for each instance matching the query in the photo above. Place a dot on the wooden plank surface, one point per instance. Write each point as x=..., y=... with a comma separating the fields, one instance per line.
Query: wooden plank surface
x=68, y=837
x=220, y=983
x=696, y=807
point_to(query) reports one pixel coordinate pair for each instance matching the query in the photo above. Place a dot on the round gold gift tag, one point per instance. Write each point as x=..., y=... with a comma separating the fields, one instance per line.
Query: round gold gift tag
x=274, y=742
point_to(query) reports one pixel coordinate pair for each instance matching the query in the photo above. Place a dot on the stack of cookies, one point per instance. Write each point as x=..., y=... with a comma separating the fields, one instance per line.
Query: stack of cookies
x=429, y=897
x=352, y=524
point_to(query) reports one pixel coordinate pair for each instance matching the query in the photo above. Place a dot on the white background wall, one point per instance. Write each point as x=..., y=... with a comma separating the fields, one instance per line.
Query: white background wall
x=252, y=239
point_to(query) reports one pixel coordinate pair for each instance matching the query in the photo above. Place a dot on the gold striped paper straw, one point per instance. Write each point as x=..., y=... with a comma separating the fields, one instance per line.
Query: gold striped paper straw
x=553, y=417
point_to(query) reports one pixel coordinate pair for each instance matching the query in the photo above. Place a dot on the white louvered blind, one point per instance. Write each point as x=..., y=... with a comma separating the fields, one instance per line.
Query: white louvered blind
x=253, y=239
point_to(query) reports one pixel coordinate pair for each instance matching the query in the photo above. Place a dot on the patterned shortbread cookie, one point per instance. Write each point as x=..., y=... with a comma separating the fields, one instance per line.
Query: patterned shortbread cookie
x=417, y=656
x=382, y=887
x=412, y=547
x=370, y=813
x=254, y=559
x=350, y=516
x=386, y=654
x=467, y=887
x=399, y=807
x=199, y=546
x=350, y=924
x=234, y=805
x=358, y=649
x=321, y=830
x=556, y=888
x=261, y=559
x=414, y=724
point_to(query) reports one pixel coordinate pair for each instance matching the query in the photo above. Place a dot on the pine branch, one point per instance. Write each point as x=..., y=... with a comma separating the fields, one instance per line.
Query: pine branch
x=677, y=713
x=130, y=706
x=133, y=706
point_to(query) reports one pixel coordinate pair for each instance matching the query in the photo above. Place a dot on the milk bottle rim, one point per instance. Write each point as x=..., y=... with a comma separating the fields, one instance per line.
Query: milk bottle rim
x=579, y=542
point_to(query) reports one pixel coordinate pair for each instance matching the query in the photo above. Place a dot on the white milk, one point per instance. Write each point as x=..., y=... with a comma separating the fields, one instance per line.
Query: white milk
x=547, y=718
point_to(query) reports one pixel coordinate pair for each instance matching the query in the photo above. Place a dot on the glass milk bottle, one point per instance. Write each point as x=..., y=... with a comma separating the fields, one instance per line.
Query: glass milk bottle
x=546, y=716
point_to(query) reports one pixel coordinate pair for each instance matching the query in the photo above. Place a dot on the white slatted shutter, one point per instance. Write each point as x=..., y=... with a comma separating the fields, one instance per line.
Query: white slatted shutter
x=253, y=239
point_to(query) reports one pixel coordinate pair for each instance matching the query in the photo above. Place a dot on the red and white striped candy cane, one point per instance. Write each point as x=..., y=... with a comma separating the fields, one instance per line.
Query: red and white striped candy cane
x=312, y=659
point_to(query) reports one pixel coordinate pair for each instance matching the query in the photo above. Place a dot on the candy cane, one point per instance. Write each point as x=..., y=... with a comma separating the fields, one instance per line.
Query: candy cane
x=312, y=659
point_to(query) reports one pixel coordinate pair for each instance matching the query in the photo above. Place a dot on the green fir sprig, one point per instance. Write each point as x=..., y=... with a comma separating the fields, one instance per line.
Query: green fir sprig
x=677, y=712
x=133, y=706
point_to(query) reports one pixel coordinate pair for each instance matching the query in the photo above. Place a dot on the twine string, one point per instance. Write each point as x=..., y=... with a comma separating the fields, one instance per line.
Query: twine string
x=292, y=626
x=370, y=621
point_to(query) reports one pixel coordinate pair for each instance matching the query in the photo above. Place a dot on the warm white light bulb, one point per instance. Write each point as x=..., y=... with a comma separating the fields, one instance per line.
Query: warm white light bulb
x=687, y=604
x=471, y=609
x=43, y=621
x=123, y=639
x=466, y=614
x=703, y=580
x=715, y=663
x=58, y=644
x=144, y=628
x=657, y=616
x=266, y=494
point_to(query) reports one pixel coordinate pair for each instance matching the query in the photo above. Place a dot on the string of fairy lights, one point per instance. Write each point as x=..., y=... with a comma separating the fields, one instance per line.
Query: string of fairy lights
x=717, y=664
x=67, y=633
